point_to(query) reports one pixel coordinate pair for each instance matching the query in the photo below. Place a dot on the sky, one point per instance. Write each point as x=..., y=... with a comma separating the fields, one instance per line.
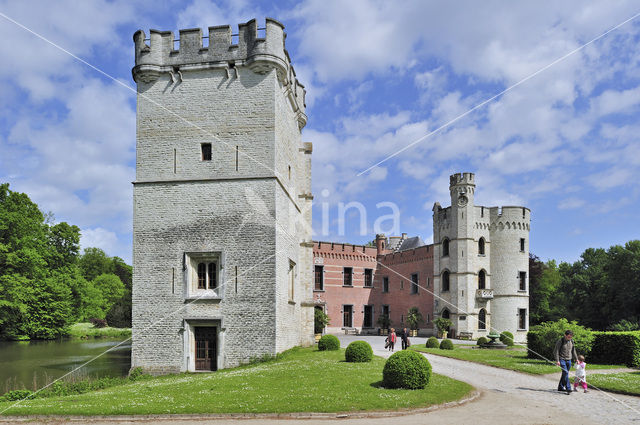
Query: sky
x=535, y=98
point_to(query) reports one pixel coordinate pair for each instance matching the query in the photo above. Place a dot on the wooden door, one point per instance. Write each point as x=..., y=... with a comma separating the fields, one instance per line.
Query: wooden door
x=206, y=352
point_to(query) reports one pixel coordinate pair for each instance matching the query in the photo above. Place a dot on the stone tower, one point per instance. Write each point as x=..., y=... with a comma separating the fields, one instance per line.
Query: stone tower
x=222, y=250
x=481, y=263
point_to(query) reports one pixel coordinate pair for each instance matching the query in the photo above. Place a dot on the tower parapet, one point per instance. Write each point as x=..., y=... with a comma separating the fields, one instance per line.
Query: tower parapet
x=259, y=54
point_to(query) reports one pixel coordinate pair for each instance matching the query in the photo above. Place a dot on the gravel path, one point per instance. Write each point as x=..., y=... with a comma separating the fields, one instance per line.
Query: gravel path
x=507, y=397
x=529, y=394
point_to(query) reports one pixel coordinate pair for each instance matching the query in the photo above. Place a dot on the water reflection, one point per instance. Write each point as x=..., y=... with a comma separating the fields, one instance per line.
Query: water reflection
x=31, y=364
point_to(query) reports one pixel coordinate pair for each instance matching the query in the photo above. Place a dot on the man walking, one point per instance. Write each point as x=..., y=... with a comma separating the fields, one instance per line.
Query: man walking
x=565, y=352
x=405, y=338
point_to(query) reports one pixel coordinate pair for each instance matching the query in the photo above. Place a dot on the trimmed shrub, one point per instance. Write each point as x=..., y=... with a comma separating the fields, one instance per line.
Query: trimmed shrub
x=482, y=340
x=432, y=343
x=446, y=344
x=16, y=395
x=358, y=352
x=616, y=348
x=406, y=369
x=98, y=323
x=329, y=343
x=507, y=338
x=542, y=338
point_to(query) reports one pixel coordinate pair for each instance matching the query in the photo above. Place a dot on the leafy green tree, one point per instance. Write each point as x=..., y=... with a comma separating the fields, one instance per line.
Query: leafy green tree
x=544, y=285
x=111, y=287
x=94, y=262
x=624, y=281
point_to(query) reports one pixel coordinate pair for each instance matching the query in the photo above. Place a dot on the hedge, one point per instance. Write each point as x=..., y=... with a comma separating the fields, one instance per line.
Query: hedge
x=432, y=343
x=446, y=344
x=541, y=339
x=616, y=348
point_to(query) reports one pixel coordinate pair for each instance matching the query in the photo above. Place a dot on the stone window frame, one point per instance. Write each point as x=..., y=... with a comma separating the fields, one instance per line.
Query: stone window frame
x=206, y=152
x=291, y=280
x=522, y=244
x=445, y=247
x=482, y=247
x=522, y=281
x=385, y=284
x=191, y=261
x=482, y=319
x=482, y=279
x=522, y=319
x=344, y=277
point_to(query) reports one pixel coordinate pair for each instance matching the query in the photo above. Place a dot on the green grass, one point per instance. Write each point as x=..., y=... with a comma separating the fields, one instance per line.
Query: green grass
x=86, y=330
x=512, y=359
x=624, y=383
x=300, y=380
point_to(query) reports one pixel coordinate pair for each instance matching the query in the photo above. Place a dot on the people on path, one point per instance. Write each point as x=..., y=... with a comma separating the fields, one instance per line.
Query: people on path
x=581, y=375
x=404, y=336
x=564, y=352
x=392, y=339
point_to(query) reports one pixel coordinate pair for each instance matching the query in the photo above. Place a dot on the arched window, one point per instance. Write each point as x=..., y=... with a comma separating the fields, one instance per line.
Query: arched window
x=445, y=314
x=445, y=281
x=482, y=279
x=482, y=319
x=445, y=247
x=481, y=246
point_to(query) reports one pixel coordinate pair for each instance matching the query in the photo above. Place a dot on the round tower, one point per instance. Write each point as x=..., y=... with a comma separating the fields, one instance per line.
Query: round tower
x=509, y=233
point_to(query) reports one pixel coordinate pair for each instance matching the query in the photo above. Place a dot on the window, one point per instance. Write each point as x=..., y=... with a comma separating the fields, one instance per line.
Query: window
x=368, y=317
x=445, y=247
x=522, y=318
x=523, y=281
x=203, y=273
x=385, y=284
x=521, y=244
x=445, y=314
x=347, y=276
x=428, y=282
x=206, y=151
x=368, y=278
x=482, y=319
x=292, y=278
x=481, y=246
x=482, y=277
x=319, y=278
x=385, y=311
x=445, y=281
x=347, y=316
x=414, y=283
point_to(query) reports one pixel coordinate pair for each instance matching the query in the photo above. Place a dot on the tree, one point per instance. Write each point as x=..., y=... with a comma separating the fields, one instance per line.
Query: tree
x=624, y=281
x=94, y=262
x=111, y=288
x=320, y=320
x=414, y=318
x=544, y=285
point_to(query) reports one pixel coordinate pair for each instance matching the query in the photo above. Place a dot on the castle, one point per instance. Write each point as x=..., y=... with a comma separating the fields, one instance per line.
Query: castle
x=222, y=250
x=224, y=266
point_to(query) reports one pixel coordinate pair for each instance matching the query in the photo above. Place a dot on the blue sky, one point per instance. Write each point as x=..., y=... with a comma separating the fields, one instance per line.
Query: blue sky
x=378, y=76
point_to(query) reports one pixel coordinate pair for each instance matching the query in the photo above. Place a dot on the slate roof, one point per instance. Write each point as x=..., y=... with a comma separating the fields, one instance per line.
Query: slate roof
x=410, y=243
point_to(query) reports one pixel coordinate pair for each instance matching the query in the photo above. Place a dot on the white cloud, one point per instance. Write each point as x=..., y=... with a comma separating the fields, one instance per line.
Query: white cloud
x=571, y=204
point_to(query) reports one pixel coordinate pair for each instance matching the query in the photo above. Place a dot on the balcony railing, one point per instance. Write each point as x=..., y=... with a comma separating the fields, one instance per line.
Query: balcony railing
x=484, y=294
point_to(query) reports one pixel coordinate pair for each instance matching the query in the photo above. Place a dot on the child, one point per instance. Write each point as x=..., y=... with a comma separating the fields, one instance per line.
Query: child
x=581, y=376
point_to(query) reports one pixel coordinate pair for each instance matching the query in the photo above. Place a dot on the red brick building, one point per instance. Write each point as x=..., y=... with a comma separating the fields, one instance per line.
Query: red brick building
x=355, y=284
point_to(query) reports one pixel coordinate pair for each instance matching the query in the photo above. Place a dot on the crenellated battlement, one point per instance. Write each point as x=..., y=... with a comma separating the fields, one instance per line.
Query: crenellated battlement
x=163, y=53
x=461, y=178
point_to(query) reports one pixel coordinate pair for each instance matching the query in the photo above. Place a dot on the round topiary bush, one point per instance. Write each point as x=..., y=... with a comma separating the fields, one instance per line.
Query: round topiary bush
x=358, y=352
x=329, y=343
x=482, y=340
x=406, y=369
x=507, y=338
x=432, y=342
x=446, y=344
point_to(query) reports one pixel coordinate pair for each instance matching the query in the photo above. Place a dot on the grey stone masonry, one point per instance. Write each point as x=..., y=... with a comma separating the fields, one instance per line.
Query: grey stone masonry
x=222, y=198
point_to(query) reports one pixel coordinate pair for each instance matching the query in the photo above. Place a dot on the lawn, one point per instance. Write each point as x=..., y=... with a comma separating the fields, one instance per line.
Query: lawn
x=624, y=383
x=87, y=330
x=300, y=380
x=512, y=359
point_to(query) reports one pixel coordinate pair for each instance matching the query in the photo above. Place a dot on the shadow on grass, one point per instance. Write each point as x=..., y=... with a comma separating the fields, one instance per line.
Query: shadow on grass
x=377, y=384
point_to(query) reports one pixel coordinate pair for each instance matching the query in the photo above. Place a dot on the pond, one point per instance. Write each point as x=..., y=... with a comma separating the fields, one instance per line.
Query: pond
x=29, y=364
